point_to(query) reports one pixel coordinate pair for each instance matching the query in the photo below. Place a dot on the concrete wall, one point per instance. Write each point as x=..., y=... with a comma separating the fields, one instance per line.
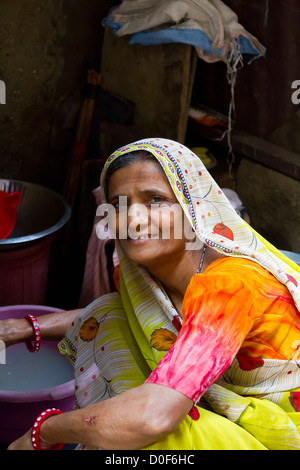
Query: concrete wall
x=45, y=50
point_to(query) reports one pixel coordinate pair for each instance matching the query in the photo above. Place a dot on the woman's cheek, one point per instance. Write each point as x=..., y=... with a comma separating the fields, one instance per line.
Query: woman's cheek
x=166, y=221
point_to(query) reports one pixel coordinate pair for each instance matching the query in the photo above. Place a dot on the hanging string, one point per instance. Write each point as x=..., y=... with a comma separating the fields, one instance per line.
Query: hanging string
x=266, y=13
x=234, y=63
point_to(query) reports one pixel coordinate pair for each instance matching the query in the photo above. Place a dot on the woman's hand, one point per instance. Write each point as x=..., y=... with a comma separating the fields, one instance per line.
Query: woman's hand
x=14, y=331
x=23, y=443
x=53, y=326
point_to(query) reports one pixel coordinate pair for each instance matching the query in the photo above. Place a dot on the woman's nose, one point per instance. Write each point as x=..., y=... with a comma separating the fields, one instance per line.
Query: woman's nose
x=137, y=219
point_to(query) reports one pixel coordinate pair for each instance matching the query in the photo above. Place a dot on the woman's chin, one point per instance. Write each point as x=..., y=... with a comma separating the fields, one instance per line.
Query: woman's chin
x=141, y=250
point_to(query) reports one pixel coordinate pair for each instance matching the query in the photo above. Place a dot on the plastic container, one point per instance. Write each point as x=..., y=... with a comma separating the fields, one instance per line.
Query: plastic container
x=24, y=274
x=293, y=256
x=18, y=409
x=24, y=255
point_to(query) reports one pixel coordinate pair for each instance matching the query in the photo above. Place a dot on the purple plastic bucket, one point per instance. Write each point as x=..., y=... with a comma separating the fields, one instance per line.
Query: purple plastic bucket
x=18, y=409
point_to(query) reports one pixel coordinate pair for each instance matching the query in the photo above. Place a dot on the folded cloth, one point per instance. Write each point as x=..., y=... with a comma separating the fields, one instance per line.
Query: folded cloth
x=96, y=277
x=209, y=25
x=8, y=212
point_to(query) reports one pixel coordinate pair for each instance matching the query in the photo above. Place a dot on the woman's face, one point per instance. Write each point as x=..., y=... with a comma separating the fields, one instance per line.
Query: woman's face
x=150, y=226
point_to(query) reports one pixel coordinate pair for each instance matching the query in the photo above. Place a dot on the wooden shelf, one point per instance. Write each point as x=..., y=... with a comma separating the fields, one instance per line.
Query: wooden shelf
x=254, y=148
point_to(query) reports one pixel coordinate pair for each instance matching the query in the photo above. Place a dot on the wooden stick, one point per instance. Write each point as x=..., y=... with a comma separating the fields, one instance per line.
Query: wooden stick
x=79, y=148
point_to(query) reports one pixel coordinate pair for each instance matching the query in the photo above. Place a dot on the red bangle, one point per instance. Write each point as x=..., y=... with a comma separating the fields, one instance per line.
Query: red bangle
x=36, y=428
x=34, y=347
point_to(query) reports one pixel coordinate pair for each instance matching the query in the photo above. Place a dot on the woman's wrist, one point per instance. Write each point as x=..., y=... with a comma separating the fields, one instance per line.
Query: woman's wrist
x=44, y=444
x=38, y=441
x=15, y=330
x=23, y=330
x=36, y=344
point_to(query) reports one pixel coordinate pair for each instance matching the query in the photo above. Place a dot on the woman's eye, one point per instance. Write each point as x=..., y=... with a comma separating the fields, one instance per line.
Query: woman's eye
x=119, y=204
x=157, y=199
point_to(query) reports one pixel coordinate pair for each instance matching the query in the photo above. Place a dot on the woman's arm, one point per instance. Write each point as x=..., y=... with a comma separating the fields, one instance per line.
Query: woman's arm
x=131, y=420
x=53, y=327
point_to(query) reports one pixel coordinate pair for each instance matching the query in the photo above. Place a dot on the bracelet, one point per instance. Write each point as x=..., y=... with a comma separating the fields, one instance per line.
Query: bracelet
x=36, y=428
x=34, y=347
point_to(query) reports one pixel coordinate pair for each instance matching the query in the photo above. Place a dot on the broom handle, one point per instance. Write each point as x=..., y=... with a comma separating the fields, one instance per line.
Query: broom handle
x=79, y=148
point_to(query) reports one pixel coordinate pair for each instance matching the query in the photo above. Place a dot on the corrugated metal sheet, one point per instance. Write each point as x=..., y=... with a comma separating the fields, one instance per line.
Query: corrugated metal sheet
x=263, y=91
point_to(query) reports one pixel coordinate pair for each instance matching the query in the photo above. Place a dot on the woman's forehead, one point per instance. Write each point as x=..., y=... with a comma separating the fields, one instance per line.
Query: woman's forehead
x=143, y=176
x=171, y=155
x=140, y=169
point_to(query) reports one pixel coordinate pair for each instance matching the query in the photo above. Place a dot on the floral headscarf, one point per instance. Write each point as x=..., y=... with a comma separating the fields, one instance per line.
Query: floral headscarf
x=210, y=213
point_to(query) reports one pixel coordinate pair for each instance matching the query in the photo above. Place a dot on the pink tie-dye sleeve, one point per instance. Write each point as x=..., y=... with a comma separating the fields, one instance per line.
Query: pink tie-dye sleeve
x=218, y=313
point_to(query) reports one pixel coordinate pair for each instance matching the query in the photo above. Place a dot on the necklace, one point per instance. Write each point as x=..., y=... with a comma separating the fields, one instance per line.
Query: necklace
x=201, y=261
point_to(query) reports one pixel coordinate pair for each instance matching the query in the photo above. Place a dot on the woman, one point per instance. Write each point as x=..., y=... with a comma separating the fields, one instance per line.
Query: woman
x=198, y=349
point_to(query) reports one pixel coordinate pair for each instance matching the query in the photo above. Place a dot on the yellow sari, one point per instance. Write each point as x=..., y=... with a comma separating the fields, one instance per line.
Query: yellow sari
x=228, y=355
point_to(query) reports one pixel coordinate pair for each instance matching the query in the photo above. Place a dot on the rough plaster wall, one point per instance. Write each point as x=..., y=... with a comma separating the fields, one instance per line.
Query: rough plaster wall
x=272, y=200
x=45, y=49
x=287, y=135
x=31, y=62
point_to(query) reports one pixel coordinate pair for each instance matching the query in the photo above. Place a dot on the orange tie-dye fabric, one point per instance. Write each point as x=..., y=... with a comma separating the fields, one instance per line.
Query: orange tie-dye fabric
x=235, y=309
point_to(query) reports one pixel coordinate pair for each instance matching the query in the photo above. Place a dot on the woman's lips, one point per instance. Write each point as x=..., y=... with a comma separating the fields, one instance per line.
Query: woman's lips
x=139, y=239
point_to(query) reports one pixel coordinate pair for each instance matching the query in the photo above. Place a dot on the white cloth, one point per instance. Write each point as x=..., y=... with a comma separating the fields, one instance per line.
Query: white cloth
x=214, y=18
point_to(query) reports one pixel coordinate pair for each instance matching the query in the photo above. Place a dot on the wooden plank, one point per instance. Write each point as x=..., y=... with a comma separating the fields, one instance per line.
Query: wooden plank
x=254, y=148
x=156, y=78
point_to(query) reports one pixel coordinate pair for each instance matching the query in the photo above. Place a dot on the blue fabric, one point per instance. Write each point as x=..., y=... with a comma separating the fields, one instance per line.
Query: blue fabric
x=108, y=21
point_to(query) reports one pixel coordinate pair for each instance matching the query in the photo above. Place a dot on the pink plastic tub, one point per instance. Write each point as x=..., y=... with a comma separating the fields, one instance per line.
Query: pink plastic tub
x=18, y=409
x=24, y=274
x=25, y=253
